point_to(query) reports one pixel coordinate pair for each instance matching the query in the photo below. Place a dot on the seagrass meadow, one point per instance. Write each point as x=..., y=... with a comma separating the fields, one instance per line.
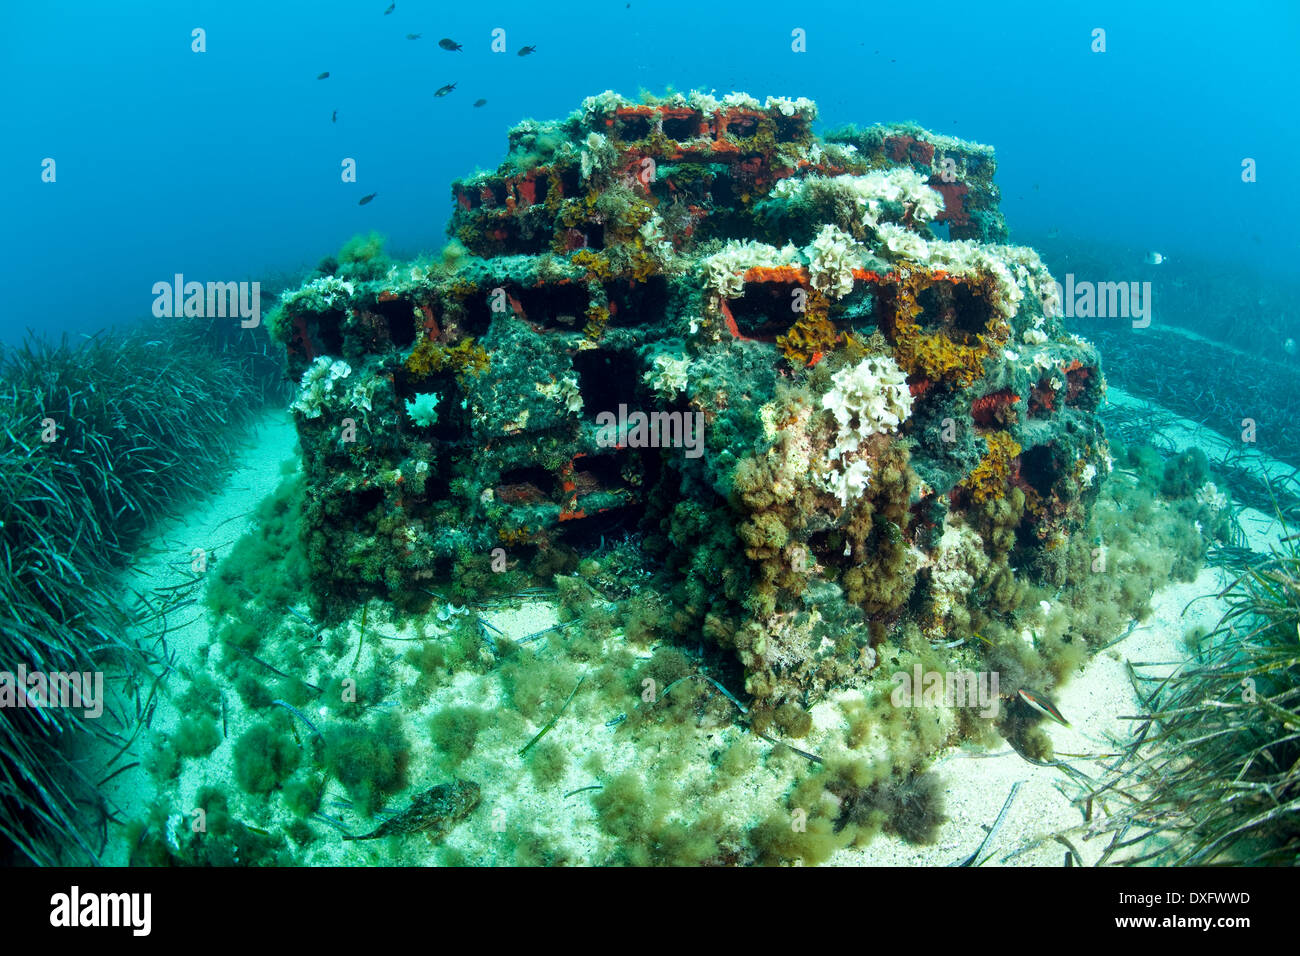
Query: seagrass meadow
x=1210, y=776
x=104, y=436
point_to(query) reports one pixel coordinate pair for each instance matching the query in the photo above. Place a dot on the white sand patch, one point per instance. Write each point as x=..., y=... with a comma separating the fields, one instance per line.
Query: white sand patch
x=167, y=560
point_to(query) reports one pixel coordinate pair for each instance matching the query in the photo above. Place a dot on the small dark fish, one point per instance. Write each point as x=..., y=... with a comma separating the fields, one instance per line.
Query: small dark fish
x=524, y=51
x=448, y=44
x=324, y=76
x=480, y=102
x=444, y=90
x=366, y=199
x=414, y=36
x=334, y=117
x=391, y=8
x=434, y=813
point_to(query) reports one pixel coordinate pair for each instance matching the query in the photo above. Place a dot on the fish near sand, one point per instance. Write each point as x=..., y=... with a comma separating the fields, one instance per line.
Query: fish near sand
x=1044, y=706
x=434, y=813
x=448, y=44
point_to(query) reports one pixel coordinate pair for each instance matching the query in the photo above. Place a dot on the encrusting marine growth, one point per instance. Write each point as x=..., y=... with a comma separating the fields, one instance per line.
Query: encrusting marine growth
x=861, y=352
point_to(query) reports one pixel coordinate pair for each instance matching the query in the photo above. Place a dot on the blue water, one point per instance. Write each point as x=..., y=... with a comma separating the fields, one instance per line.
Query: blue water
x=226, y=165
